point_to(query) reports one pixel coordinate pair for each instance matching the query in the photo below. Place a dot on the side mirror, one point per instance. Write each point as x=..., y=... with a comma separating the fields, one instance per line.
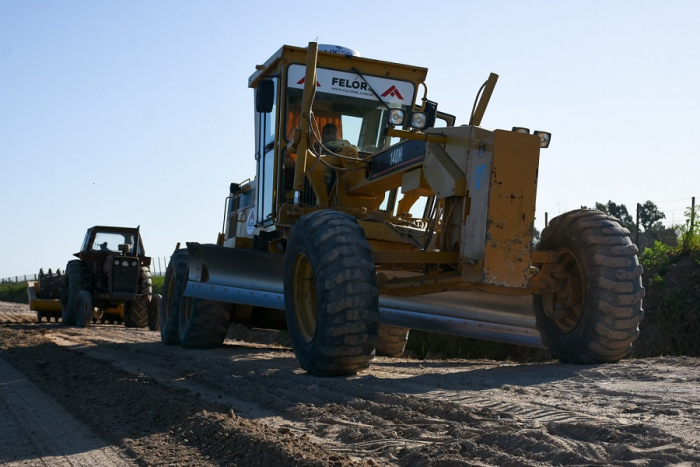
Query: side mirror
x=431, y=111
x=265, y=96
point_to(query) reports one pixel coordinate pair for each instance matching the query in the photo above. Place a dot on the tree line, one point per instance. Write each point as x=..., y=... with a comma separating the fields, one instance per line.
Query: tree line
x=646, y=227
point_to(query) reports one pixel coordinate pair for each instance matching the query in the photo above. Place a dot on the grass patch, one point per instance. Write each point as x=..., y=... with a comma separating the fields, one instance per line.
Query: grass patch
x=158, y=282
x=13, y=292
x=16, y=292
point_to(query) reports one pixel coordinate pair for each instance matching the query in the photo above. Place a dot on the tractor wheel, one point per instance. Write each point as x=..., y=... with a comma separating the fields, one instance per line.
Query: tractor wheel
x=136, y=312
x=75, y=279
x=153, y=310
x=330, y=294
x=392, y=340
x=203, y=323
x=173, y=288
x=83, y=309
x=595, y=316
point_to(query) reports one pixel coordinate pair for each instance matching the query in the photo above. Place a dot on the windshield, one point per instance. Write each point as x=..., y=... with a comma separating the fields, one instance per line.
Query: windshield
x=345, y=108
x=110, y=241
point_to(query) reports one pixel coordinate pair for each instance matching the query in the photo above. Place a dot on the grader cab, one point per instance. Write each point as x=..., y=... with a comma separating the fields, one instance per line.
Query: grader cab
x=372, y=213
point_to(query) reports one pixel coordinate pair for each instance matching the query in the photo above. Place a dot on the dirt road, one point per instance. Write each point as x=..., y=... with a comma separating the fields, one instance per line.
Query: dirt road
x=108, y=395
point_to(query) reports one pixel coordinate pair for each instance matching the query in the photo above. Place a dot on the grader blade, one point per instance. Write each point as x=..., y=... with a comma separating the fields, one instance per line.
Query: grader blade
x=499, y=318
x=235, y=276
x=258, y=279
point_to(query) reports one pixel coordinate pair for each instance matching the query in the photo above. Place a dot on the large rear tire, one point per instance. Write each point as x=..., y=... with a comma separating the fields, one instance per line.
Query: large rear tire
x=392, y=341
x=595, y=316
x=173, y=289
x=330, y=294
x=75, y=280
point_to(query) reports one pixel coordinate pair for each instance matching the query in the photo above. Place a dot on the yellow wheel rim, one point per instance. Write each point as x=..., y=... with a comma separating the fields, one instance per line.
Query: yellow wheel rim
x=304, y=297
x=565, y=307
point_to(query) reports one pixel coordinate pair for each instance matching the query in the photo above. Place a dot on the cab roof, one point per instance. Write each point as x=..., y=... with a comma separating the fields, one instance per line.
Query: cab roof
x=288, y=54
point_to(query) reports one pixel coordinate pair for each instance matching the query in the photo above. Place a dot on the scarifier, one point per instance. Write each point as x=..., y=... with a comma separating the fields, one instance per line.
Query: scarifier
x=44, y=295
x=373, y=213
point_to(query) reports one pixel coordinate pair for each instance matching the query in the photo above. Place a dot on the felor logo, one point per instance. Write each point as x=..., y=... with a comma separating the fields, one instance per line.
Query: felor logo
x=250, y=224
x=393, y=92
x=301, y=81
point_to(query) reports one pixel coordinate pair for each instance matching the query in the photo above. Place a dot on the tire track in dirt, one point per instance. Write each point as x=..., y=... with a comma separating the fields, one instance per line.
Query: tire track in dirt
x=408, y=412
x=397, y=417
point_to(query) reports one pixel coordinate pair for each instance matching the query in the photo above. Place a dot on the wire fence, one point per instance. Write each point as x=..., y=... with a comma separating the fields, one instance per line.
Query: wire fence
x=675, y=210
x=158, y=267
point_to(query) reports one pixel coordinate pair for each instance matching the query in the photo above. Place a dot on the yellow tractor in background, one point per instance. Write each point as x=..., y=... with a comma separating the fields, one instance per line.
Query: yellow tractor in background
x=372, y=213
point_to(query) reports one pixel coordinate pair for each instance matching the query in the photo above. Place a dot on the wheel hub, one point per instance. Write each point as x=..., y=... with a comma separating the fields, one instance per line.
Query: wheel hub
x=305, y=297
x=564, y=307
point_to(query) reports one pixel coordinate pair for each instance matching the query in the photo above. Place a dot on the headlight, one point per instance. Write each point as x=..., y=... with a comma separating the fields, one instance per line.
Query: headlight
x=519, y=129
x=396, y=117
x=419, y=120
x=116, y=262
x=134, y=263
x=545, y=138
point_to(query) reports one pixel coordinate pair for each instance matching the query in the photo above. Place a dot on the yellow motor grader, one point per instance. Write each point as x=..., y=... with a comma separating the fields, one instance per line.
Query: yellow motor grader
x=372, y=213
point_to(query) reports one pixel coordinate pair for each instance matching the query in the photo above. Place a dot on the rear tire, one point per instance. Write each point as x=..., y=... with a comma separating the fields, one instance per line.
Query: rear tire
x=595, y=316
x=173, y=289
x=75, y=279
x=330, y=294
x=83, y=309
x=392, y=340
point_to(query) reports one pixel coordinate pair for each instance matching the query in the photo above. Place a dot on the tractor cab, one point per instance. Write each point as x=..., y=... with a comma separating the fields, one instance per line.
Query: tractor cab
x=114, y=256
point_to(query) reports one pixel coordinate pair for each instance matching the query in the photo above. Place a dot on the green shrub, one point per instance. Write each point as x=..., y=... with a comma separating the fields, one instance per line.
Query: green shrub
x=671, y=324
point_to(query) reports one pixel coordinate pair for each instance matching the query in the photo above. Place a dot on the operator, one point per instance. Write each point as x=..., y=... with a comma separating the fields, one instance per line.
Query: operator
x=329, y=138
x=329, y=135
x=103, y=247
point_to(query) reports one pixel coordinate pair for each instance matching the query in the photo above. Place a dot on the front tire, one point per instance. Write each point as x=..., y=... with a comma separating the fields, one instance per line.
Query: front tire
x=594, y=317
x=153, y=310
x=392, y=341
x=203, y=323
x=84, y=309
x=330, y=294
x=136, y=312
x=173, y=289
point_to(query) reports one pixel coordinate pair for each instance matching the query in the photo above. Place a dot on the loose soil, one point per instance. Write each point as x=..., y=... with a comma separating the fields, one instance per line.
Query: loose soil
x=107, y=395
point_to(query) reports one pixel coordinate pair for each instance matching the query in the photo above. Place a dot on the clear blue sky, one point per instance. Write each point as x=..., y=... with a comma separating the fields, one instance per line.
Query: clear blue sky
x=138, y=113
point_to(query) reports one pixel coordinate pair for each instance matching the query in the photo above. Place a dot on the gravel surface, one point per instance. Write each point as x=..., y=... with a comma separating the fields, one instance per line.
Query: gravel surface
x=107, y=395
